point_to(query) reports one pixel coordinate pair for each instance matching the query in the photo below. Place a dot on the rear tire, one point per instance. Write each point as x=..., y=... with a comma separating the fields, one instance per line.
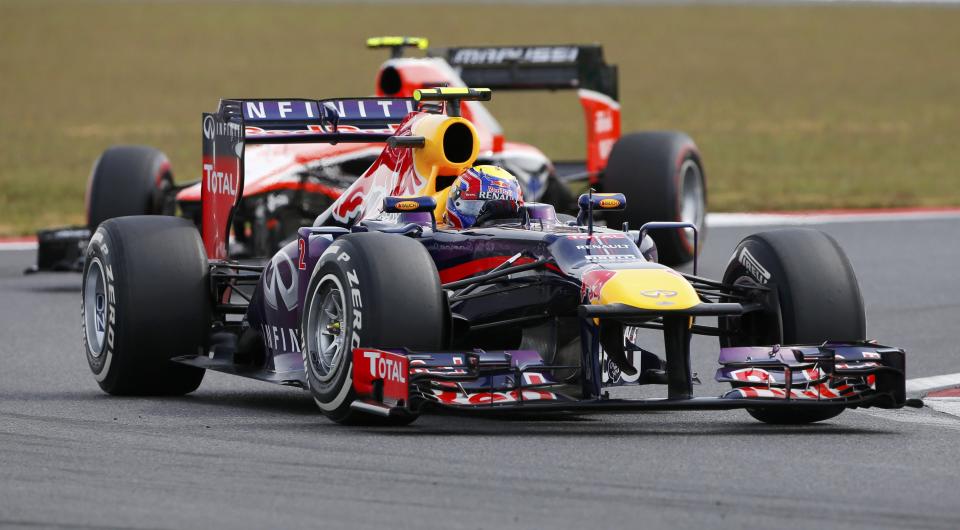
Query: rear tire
x=129, y=180
x=814, y=297
x=662, y=176
x=145, y=300
x=371, y=290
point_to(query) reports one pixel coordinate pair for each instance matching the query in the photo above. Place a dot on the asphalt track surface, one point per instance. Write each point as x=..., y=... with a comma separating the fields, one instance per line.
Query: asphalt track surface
x=245, y=454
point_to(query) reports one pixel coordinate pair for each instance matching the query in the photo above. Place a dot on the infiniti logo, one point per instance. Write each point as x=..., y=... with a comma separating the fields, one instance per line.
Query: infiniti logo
x=208, y=127
x=212, y=128
x=274, y=286
x=659, y=294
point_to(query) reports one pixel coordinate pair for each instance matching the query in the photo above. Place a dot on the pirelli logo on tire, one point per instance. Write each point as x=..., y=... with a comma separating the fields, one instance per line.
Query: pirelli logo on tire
x=753, y=266
x=356, y=300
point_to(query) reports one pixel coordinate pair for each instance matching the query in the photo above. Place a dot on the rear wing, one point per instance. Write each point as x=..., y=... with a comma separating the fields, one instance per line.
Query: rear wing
x=241, y=122
x=560, y=67
x=273, y=121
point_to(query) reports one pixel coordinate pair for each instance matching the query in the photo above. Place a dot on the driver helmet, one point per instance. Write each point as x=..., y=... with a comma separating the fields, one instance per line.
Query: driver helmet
x=474, y=188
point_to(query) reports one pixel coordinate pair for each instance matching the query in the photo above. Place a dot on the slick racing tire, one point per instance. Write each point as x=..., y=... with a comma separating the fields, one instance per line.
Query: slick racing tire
x=145, y=300
x=372, y=290
x=129, y=180
x=662, y=176
x=814, y=297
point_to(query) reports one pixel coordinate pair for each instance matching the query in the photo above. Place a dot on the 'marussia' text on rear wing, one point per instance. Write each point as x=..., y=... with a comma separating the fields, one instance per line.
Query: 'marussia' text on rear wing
x=554, y=67
x=239, y=122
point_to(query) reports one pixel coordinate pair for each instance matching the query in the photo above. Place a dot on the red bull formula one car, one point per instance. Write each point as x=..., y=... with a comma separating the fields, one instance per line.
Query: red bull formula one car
x=289, y=185
x=383, y=311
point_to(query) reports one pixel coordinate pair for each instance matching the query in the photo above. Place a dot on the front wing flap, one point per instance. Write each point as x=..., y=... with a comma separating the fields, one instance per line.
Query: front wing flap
x=409, y=379
x=834, y=372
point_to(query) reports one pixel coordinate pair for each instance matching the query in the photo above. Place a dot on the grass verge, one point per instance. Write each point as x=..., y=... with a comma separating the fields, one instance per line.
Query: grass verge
x=793, y=106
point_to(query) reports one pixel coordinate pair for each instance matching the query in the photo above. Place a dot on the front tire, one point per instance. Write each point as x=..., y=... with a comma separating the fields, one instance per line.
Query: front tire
x=814, y=297
x=370, y=290
x=145, y=300
x=662, y=176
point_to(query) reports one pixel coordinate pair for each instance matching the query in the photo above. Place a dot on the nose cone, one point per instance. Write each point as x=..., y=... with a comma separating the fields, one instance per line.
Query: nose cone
x=659, y=289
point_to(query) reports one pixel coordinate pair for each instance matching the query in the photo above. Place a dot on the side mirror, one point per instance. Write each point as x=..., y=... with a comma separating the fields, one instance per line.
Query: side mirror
x=422, y=205
x=409, y=204
x=610, y=202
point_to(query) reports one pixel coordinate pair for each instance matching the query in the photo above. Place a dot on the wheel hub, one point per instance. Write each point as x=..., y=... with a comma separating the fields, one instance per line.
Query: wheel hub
x=692, y=203
x=325, y=329
x=95, y=308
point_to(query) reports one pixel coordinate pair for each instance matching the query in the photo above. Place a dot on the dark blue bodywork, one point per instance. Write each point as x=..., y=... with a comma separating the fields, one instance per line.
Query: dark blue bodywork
x=555, y=290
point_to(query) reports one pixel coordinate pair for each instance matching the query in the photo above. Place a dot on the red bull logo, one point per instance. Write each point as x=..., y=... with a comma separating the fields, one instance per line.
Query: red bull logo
x=592, y=283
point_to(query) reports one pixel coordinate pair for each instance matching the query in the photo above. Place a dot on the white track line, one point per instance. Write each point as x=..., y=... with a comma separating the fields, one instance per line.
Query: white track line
x=914, y=416
x=923, y=384
x=772, y=219
x=950, y=406
x=946, y=405
x=18, y=245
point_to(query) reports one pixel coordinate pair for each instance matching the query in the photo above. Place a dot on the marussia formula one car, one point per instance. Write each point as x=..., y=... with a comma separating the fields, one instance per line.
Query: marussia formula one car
x=382, y=312
x=289, y=185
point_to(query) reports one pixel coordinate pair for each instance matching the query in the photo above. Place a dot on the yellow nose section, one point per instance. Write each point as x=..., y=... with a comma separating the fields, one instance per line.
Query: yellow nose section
x=658, y=289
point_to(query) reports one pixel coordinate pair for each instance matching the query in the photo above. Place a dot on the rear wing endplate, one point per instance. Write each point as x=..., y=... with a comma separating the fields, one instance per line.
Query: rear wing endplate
x=239, y=122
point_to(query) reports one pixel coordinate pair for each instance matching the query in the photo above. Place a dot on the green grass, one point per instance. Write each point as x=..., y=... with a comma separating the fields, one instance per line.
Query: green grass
x=793, y=107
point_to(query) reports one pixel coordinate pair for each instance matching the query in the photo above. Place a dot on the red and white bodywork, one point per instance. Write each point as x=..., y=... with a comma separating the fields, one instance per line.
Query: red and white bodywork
x=277, y=168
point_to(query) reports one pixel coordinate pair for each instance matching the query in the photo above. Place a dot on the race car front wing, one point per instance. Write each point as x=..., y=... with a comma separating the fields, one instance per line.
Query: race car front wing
x=851, y=375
